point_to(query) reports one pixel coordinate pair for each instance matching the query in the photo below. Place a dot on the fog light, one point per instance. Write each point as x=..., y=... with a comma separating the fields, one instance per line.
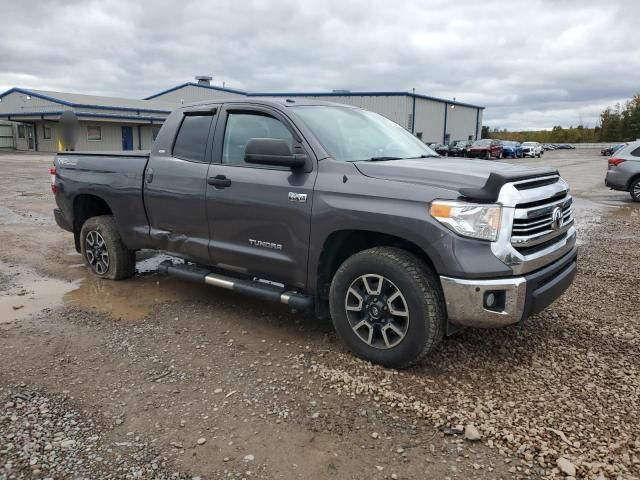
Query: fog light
x=495, y=300
x=490, y=300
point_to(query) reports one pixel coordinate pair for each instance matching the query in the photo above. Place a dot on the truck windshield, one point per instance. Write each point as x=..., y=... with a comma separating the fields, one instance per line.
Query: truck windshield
x=353, y=135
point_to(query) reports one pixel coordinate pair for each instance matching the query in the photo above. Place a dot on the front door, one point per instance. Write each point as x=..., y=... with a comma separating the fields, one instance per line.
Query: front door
x=175, y=186
x=127, y=138
x=31, y=144
x=259, y=216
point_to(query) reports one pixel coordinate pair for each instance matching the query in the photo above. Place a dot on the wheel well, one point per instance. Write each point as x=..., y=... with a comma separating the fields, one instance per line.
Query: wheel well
x=631, y=180
x=341, y=245
x=84, y=207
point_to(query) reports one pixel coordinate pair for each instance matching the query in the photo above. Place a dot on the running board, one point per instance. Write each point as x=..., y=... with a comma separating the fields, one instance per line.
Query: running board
x=259, y=290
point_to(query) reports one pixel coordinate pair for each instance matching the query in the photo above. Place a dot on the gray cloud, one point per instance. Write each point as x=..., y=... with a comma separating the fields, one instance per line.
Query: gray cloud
x=533, y=64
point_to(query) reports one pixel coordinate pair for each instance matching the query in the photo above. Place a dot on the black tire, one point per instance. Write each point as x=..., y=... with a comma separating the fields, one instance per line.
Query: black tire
x=487, y=155
x=102, y=233
x=634, y=190
x=420, y=292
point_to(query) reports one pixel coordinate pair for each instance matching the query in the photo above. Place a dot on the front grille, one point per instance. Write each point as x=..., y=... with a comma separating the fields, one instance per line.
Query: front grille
x=534, y=227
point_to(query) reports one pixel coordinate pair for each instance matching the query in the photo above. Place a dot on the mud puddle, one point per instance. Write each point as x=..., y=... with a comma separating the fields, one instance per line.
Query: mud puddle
x=24, y=292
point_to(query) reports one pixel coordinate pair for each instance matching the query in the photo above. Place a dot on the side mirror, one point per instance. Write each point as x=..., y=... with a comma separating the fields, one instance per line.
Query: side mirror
x=272, y=151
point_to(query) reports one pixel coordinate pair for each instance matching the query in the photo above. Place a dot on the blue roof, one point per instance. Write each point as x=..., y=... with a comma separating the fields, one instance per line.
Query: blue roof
x=188, y=84
x=317, y=94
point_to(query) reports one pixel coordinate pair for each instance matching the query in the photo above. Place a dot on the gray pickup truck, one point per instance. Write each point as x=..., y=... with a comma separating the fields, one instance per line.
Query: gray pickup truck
x=332, y=208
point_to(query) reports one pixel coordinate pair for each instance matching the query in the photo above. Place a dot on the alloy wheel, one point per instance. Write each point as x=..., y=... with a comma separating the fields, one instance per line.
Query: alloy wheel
x=377, y=311
x=96, y=252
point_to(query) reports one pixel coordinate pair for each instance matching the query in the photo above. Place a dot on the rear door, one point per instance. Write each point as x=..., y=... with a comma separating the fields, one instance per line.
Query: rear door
x=259, y=216
x=175, y=187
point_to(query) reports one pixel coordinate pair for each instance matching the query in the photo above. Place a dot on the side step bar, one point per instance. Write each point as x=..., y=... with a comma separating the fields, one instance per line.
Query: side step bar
x=260, y=290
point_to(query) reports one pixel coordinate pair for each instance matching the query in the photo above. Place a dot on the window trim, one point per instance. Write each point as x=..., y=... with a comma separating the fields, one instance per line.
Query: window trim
x=99, y=127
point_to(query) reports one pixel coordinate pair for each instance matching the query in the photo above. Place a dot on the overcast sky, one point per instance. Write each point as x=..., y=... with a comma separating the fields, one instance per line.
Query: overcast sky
x=533, y=64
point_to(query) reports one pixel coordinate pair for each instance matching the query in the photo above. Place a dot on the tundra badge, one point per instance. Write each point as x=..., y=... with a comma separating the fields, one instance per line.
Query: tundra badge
x=298, y=197
x=260, y=243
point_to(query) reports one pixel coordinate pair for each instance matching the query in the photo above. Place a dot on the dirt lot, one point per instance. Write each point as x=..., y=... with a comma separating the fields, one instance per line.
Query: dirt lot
x=156, y=378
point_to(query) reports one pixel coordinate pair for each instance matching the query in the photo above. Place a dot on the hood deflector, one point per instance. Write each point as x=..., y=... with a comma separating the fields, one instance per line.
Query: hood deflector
x=491, y=189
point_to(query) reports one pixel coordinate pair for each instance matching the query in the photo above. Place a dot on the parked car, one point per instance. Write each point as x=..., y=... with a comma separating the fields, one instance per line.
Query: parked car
x=460, y=148
x=486, y=148
x=512, y=149
x=564, y=146
x=532, y=149
x=440, y=149
x=607, y=152
x=548, y=146
x=623, y=171
x=327, y=207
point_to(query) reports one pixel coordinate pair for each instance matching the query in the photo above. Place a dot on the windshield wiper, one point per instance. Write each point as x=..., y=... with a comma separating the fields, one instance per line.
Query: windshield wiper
x=424, y=156
x=382, y=159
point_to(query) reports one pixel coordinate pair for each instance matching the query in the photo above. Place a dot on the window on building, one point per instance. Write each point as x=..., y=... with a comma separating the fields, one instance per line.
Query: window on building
x=191, y=141
x=21, y=133
x=46, y=132
x=154, y=131
x=470, y=137
x=94, y=133
x=242, y=127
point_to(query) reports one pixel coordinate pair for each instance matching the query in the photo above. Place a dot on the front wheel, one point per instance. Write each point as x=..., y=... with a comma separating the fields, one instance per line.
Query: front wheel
x=103, y=250
x=634, y=190
x=387, y=307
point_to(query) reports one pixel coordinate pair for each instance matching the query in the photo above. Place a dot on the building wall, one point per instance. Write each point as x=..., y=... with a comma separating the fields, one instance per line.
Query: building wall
x=192, y=93
x=429, y=120
x=461, y=123
x=7, y=138
x=111, y=136
x=18, y=102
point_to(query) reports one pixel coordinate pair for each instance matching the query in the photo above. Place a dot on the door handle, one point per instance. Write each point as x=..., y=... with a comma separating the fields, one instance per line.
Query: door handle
x=219, y=181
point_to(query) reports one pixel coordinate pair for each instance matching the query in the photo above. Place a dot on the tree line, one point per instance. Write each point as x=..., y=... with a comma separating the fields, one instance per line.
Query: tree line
x=620, y=123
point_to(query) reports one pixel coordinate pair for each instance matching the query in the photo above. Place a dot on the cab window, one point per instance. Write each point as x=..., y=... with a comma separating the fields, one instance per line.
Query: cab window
x=242, y=127
x=191, y=141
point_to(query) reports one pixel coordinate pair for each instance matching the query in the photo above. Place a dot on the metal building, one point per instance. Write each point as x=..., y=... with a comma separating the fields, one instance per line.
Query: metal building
x=106, y=123
x=110, y=123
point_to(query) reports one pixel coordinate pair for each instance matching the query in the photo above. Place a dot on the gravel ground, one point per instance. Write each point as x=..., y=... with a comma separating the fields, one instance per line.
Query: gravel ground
x=152, y=378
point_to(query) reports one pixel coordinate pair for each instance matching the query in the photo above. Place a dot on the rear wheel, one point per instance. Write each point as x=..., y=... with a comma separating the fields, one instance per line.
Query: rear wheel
x=634, y=190
x=487, y=155
x=103, y=250
x=387, y=307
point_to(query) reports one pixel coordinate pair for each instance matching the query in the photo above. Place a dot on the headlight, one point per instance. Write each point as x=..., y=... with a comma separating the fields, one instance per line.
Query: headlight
x=474, y=220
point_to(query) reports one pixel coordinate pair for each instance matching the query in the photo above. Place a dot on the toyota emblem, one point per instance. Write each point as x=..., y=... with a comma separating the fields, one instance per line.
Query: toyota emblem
x=556, y=218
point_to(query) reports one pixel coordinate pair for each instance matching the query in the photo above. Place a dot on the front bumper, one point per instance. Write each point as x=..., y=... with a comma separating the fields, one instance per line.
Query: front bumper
x=516, y=298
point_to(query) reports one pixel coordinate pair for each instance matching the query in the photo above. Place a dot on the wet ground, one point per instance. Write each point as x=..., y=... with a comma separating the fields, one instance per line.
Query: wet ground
x=272, y=393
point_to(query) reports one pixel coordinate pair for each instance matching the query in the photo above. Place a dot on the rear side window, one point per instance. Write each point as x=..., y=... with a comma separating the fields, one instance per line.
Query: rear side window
x=191, y=141
x=636, y=152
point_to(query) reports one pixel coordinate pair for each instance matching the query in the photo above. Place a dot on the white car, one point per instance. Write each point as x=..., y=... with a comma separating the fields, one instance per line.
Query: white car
x=532, y=149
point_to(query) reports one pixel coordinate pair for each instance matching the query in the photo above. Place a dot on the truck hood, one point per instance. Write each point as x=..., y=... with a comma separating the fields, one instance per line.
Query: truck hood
x=476, y=179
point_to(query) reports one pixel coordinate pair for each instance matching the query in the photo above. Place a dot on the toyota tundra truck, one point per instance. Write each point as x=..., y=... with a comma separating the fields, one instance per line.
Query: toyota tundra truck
x=329, y=208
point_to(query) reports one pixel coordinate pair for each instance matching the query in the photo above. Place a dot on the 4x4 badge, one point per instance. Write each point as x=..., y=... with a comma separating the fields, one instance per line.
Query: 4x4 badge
x=297, y=197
